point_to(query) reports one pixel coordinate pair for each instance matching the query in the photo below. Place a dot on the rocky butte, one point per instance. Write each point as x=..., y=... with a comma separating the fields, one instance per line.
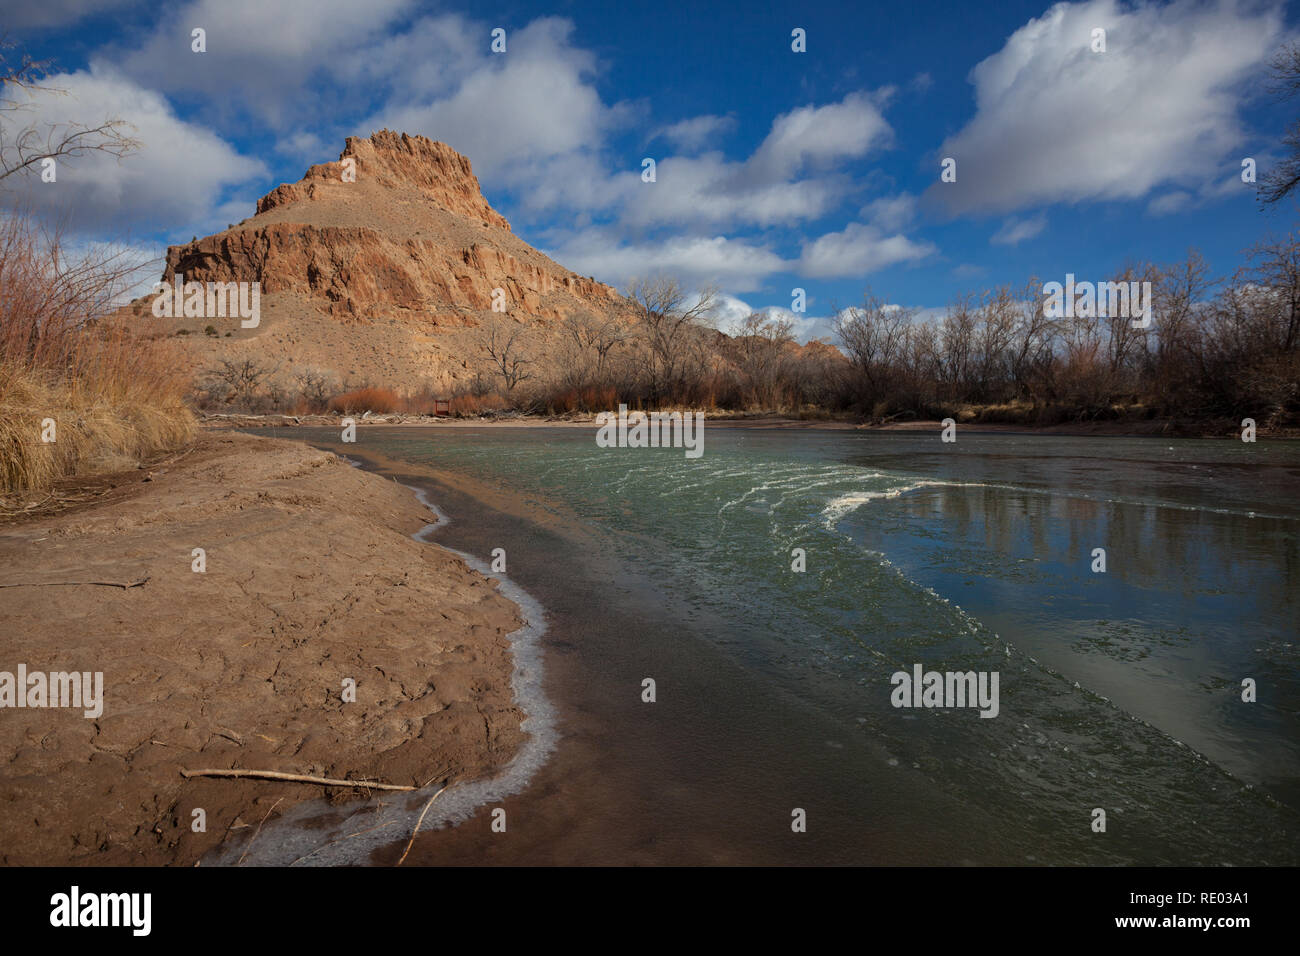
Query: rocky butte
x=381, y=279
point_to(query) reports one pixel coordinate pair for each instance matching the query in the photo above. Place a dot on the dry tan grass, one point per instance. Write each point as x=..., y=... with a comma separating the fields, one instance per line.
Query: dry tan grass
x=96, y=429
x=114, y=397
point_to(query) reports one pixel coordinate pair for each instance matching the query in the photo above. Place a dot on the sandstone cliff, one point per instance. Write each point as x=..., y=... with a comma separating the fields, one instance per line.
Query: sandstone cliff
x=379, y=280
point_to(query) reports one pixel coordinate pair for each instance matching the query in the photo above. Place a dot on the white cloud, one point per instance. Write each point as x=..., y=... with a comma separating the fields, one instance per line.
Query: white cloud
x=140, y=264
x=1056, y=122
x=179, y=174
x=1015, y=231
x=729, y=311
x=532, y=104
x=772, y=186
x=260, y=55
x=858, y=250
x=1169, y=203
x=819, y=134
x=804, y=327
x=890, y=212
x=735, y=264
x=709, y=190
x=693, y=134
x=55, y=13
x=306, y=145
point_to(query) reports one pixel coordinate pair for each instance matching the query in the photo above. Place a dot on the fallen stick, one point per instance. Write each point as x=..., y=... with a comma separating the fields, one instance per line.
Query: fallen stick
x=298, y=777
x=411, y=842
x=249, y=844
x=59, y=584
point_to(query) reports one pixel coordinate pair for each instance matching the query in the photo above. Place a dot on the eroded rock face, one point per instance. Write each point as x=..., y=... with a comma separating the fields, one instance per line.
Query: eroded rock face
x=397, y=161
x=412, y=238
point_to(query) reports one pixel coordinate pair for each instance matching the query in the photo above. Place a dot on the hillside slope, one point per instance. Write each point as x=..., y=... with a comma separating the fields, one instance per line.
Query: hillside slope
x=381, y=280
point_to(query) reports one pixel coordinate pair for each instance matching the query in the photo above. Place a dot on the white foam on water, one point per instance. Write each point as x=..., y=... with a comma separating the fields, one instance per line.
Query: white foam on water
x=841, y=505
x=306, y=836
x=424, y=533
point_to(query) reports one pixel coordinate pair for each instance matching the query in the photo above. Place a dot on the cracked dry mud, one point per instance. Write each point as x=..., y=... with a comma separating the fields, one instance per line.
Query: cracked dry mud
x=312, y=577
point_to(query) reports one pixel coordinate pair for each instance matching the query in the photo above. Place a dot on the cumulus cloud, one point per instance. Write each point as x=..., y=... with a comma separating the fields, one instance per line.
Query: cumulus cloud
x=857, y=250
x=710, y=190
x=56, y=13
x=536, y=103
x=180, y=174
x=1015, y=231
x=804, y=327
x=890, y=212
x=1170, y=202
x=690, y=135
x=788, y=179
x=819, y=134
x=1056, y=122
x=729, y=311
x=260, y=56
x=735, y=264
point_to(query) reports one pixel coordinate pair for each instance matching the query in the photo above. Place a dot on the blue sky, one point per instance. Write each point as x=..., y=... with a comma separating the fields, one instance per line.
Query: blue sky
x=775, y=169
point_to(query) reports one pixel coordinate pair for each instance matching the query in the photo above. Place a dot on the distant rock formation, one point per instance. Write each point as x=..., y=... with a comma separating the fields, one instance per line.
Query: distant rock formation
x=411, y=237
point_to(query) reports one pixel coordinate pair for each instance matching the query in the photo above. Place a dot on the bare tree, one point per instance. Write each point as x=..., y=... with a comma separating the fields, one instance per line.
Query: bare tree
x=594, y=337
x=25, y=141
x=760, y=343
x=316, y=387
x=667, y=317
x=875, y=336
x=1275, y=265
x=1281, y=181
x=49, y=293
x=1031, y=347
x=507, y=354
x=957, y=346
x=242, y=378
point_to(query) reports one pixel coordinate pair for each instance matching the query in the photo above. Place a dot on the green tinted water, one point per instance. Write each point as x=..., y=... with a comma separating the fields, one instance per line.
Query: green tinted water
x=1118, y=690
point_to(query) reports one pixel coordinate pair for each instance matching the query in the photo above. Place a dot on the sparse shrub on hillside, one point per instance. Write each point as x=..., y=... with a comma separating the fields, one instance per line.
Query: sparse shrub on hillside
x=315, y=387
x=239, y=384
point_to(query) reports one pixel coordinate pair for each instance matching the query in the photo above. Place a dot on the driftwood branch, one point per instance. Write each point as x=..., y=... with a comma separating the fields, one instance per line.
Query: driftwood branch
x=411, y=842
x=249, y=844
x=298, y=777
x=58, y=584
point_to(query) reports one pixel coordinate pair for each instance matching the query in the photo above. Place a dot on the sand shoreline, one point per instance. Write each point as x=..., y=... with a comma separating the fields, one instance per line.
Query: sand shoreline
x=312, y=576
x=314, y=833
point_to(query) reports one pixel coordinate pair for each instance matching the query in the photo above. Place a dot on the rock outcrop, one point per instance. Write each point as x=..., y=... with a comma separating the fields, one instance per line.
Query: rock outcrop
x=411, y=234
x=397, y=162
x=410, y=244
